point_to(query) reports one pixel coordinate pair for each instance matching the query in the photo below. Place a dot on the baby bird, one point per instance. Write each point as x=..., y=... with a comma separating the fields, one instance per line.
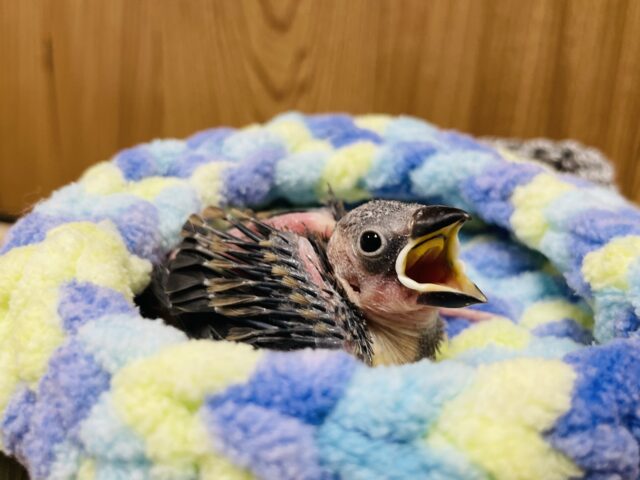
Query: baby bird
x=369, y=281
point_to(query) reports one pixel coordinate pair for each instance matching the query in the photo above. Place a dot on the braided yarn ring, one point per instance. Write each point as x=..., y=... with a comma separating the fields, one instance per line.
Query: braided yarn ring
x=548, y=388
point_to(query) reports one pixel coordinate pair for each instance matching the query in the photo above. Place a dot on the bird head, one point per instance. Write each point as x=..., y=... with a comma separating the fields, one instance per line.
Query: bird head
x=399, y=261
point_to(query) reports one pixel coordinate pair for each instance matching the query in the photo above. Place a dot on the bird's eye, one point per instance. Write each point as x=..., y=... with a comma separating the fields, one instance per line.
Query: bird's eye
x=371, y=242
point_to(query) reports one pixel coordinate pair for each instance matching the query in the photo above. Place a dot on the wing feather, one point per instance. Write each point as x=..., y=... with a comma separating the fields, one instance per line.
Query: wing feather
x=235, y=277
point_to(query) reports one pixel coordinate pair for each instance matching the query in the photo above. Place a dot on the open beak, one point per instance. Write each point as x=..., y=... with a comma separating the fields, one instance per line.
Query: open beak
x=429, y=262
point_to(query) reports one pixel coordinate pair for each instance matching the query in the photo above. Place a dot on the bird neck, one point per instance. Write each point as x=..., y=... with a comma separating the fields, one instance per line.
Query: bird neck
x=399, y=334
x=395, y=342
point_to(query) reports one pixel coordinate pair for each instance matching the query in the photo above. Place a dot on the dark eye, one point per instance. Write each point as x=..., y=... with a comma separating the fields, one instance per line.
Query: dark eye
x=370, y=242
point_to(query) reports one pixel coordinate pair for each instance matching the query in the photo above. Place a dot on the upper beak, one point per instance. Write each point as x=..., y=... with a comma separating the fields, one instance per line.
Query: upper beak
x=429, y=262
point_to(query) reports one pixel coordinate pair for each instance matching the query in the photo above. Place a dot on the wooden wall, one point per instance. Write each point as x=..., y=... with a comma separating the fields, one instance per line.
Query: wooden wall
x=81, y=79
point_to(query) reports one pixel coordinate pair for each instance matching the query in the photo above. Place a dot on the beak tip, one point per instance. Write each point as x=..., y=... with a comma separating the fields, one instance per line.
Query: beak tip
x=482, y=298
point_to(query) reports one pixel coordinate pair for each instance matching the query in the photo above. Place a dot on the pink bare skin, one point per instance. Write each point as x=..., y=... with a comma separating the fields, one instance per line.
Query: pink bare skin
x=310, y=260
x=319, y=222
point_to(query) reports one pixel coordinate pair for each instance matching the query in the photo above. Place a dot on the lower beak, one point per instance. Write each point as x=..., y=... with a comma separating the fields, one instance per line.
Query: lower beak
x=429, y=262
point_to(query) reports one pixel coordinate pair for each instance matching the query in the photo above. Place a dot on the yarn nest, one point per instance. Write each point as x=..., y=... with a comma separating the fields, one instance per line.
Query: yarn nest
x=548, y=388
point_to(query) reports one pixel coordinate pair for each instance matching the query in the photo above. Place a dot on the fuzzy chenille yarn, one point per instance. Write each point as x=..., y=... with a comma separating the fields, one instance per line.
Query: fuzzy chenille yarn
x=547, y=388
x=565, y=156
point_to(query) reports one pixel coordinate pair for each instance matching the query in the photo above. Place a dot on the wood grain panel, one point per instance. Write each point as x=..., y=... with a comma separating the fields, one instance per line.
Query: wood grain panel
x=82, y=79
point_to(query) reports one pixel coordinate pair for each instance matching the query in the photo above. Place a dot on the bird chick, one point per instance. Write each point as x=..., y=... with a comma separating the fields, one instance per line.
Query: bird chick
x=369, y=281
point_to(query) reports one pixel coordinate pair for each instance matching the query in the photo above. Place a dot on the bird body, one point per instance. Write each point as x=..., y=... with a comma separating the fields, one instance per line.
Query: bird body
x=369, y=281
